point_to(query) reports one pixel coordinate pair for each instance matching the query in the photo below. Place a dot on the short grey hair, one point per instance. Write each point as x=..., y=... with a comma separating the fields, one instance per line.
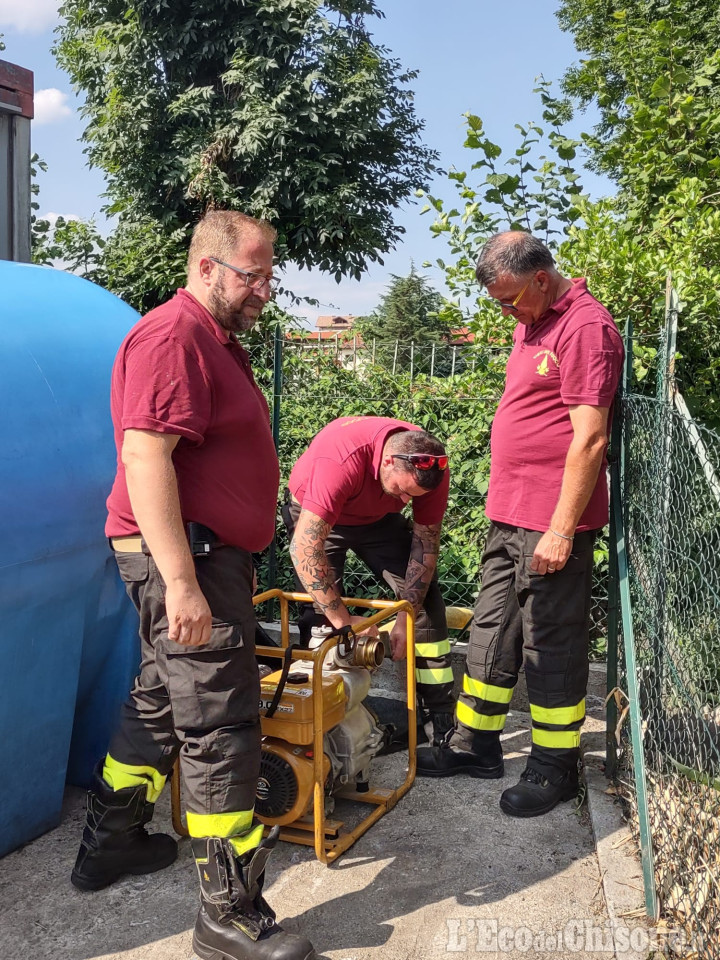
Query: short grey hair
x=512, y=253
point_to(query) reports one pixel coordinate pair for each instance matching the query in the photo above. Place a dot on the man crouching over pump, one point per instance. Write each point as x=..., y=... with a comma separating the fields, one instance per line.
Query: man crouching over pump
x=348, y=490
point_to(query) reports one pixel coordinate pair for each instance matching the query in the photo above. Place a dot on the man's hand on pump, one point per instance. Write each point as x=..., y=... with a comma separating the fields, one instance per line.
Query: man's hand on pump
x=357, y=622
x=398, y=637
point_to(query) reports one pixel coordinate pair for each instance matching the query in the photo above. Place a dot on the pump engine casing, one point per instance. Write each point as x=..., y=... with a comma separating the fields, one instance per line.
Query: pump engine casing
x=352, y=738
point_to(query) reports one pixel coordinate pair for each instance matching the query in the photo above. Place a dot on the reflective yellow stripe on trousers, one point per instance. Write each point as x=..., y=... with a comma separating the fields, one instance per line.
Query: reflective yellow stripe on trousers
x=236, y=827
x=434, y=675
x=487, y=691
x=119, y=776
x=479, y=721
x=558, y=717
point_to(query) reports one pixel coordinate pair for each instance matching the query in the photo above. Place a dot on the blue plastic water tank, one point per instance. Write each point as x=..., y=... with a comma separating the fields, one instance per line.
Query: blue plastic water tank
x=67, y=633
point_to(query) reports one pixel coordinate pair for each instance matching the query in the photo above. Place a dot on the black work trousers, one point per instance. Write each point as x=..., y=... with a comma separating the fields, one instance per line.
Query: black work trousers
x=199, y=702
x=384, y=546
x=541, y=621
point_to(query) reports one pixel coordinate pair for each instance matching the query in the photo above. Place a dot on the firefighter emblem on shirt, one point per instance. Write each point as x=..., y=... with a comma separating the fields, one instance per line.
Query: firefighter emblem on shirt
x=543, y=367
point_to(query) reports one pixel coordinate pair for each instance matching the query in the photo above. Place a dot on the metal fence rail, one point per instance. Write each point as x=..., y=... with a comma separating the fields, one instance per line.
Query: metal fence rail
x=310, y=383
x=668, y=532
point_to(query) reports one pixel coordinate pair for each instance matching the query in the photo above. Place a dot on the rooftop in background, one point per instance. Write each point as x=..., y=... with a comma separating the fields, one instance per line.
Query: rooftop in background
x=335, y=322
x=461, y=335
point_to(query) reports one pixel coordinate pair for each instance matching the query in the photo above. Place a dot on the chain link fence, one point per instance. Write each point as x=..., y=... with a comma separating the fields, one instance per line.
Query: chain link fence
x=668, y=532
x=451, y=390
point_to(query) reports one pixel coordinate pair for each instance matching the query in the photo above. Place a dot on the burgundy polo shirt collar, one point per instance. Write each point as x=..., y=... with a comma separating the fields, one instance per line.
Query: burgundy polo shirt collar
x=204, y=314
x=559, y=307
x=563, y=303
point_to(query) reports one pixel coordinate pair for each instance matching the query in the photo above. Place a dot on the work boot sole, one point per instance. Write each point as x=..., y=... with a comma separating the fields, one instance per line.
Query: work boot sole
x=512, y=811
x=480, y=773
x=212, y=953
x=89, y=884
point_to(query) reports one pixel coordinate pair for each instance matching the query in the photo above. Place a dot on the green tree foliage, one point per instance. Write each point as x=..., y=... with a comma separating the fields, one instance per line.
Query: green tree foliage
x=284, y=109
x=76, y=243
x=534, y=187
x=658, y=91
x=408, y=313
x=652, y=69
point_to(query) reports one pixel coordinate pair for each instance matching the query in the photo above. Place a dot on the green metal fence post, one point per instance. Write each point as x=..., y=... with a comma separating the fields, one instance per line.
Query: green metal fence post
x=626, y=381
x=278, y=343
x=612, y=653
x=663, y=485
x=617, y=464
x=611, y=716
x=620, y=518
x=646, y=851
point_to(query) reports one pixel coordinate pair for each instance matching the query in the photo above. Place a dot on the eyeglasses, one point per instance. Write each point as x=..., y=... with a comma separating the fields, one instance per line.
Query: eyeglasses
x=504, y=305
x=254, y=280
x=423, y=461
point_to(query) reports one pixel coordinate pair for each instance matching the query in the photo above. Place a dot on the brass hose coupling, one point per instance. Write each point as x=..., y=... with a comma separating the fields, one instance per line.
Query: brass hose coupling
x=354, y=651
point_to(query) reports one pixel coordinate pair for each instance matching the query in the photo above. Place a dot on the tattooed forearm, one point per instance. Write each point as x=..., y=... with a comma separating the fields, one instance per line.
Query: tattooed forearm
x=422, y=563
x=307, y=550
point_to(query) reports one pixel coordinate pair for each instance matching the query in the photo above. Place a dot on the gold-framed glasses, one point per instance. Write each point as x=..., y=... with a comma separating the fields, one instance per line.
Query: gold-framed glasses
x=507, y=305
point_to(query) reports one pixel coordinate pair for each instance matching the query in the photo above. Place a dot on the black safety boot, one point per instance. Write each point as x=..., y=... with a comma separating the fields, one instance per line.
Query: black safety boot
x=114, y=841
x=534, y=794
x=447, y=760
x=235, y=921
x=439, y=725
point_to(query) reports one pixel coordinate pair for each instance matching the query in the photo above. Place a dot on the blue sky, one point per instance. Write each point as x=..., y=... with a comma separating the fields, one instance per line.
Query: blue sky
x=473, y=56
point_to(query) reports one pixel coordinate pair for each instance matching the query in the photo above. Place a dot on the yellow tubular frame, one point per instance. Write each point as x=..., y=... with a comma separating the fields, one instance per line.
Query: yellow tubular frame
x=328, y=849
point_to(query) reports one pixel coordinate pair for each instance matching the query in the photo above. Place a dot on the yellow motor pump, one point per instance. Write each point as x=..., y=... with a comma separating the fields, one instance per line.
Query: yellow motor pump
x=319, y=738
x=353, y=735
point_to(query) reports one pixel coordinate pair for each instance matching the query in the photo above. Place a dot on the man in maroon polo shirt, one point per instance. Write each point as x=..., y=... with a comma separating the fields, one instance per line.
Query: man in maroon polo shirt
x=195, y=495
x=348, y=490
x=547, y=497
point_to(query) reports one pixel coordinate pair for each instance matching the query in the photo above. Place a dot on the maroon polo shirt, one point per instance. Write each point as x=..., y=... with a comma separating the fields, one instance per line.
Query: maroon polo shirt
x=178, y=372
x=572, y=355
x=337, y=478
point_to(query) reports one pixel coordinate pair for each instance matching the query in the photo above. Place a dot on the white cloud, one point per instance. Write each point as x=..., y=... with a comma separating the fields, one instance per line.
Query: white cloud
x=51, y=106
x=29, y=16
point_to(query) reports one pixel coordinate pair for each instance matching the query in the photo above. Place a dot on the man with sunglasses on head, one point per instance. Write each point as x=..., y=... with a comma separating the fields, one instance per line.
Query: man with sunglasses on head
x=195, y=495
x=348, y=490
x=548, y=495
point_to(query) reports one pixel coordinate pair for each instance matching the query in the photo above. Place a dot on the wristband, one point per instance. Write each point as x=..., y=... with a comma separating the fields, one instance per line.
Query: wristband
x=561, y=535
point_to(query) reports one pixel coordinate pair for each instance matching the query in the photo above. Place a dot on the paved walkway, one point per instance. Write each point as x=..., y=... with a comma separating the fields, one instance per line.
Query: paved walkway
x=444, y=873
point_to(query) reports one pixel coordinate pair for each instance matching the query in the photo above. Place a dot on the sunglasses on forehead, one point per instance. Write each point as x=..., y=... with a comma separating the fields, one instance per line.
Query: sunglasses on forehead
x=423, y=461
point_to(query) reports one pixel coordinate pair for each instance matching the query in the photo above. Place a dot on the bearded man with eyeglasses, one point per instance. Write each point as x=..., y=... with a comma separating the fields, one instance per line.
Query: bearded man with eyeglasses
x=547, y=497
x=347, y=493
x=195, y=495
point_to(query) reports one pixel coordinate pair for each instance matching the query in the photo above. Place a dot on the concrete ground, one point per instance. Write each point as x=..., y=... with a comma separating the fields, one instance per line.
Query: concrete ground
x=443, y=873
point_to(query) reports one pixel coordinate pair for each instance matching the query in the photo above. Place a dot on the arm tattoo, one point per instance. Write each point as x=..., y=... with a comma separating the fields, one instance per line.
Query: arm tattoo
x=307, y=550
x=422, y=563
